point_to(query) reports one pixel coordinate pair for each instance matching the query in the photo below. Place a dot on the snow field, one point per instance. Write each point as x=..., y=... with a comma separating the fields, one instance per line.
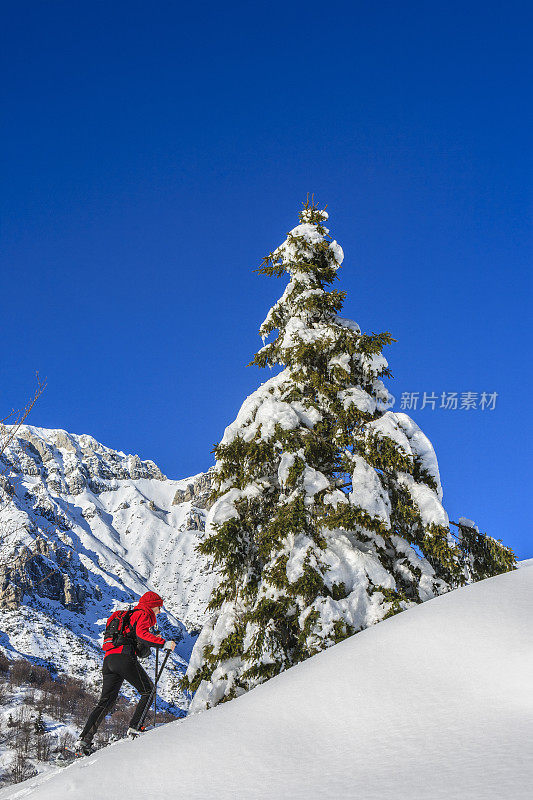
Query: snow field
x=435, y=702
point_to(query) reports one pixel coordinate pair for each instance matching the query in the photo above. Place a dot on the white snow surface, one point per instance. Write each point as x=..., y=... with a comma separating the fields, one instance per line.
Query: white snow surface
x=430, y=507
x=435, y=702
x=367, y=492
x=263, y=410
x=405, y=432
x=357, y=397
x=338, y=252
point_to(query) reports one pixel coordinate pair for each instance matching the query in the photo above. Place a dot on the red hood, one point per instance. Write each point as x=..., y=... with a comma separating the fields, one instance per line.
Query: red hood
x=148, y=601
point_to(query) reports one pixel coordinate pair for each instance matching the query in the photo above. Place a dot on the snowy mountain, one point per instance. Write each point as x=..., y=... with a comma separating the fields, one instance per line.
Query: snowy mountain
x=434, y=702
x=84, y=528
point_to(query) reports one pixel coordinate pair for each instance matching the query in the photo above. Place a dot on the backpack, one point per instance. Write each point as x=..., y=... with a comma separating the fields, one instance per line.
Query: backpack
x=118, y=632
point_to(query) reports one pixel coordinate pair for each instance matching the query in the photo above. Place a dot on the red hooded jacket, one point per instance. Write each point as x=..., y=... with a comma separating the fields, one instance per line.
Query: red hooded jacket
x=141, y=620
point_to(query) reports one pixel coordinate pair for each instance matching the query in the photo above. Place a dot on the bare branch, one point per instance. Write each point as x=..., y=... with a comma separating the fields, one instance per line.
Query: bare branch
x=21, y=415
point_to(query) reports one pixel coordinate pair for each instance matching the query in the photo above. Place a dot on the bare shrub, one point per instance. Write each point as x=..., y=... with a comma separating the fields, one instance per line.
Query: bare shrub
x=19, y=770
x=24, y=672
x=42, y=747
x=4, y=664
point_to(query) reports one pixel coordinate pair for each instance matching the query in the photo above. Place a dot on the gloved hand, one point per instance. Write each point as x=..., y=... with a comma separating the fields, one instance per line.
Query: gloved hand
x=169, y=645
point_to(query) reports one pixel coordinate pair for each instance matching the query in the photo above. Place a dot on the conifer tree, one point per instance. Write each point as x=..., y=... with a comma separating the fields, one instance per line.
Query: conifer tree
x=327, y=514
x=39, y=725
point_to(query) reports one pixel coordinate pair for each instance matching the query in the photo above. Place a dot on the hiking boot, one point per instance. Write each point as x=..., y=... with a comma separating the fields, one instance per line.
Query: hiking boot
x=84, y=746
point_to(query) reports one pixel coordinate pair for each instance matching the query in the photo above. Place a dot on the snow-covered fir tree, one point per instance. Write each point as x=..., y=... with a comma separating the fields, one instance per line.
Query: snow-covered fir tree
x=328, y=511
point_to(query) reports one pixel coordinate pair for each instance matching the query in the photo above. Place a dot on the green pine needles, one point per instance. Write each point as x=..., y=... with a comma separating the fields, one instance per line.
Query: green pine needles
x=327, y=514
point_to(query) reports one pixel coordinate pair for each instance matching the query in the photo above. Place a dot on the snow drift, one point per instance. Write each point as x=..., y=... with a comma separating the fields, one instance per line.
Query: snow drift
x=434, y=702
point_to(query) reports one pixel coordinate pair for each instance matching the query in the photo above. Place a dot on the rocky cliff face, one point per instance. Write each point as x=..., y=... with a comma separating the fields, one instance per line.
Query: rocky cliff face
x=69, y=464
x=196, y=492
x=84, y=528
x=44, y=569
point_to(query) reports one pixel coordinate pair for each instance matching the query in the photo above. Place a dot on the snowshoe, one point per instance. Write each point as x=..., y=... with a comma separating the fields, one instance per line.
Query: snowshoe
x=67, y=756
x=83, y=748
x=133, y=733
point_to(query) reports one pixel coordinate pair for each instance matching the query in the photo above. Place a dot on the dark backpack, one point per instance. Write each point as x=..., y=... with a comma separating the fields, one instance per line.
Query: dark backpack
x=118, y=631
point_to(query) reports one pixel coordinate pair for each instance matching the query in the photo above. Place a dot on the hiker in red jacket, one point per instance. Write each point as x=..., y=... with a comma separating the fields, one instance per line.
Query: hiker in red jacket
x=121, y=663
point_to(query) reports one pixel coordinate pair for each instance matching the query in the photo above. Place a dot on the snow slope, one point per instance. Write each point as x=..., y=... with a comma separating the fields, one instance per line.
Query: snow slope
x=435, y=702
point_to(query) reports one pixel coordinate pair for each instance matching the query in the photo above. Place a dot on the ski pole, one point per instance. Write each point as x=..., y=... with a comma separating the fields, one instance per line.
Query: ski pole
x=155, y=684
x=149, y=703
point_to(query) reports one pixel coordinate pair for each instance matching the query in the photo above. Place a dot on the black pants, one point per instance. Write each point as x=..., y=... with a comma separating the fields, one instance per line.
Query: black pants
x=117, y=668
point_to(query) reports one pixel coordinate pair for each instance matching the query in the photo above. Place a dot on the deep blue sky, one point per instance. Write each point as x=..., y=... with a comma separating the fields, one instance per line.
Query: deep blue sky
x=154, y=152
